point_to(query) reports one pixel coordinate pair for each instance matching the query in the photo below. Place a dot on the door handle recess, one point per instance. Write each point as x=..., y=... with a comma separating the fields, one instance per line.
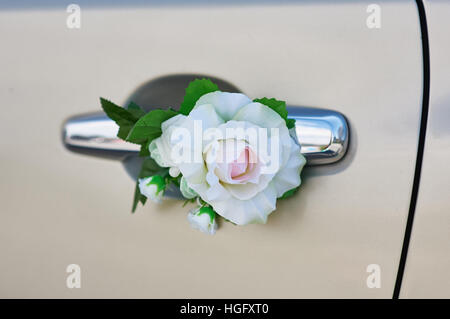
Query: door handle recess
x=323, y=135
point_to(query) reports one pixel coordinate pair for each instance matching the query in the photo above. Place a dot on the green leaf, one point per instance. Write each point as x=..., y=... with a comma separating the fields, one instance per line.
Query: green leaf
x=148, y=127
x=274, y=104
x=149, y=168
x=125, y=119
x=117, y=113
x=138, y=197
x=209, y=211
x=279, y=107
x=290, y=123
x=144, y=152
x=123, y=132
x=289, y=193
x=194, y=91
x=135, y=110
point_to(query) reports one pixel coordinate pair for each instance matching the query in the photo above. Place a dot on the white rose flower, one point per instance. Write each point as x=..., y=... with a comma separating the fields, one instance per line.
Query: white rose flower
x=237, y=176
x=152, y=187
x=203, y=219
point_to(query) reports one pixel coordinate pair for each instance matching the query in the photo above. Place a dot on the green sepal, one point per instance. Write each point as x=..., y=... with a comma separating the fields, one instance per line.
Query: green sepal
x=207, y=210
x=149, y=168
x=194, y=91
x=159, y=181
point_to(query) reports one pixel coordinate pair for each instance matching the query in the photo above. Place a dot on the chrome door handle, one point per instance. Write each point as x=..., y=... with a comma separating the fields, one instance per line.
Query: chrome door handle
x=322, y=134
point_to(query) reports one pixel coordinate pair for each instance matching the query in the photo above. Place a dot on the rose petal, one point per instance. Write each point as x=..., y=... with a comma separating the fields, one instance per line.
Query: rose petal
x=226, y=104
x=260, y=115
x=254, y=210
x=288, y=176
x=160, y=148
x=248, y=190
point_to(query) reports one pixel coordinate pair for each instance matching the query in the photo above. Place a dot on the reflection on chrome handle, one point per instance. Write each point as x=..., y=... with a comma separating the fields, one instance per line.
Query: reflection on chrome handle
x=322, y=134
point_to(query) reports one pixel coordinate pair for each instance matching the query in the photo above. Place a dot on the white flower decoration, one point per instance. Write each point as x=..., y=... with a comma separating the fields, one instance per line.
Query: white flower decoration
x=203, y=219
x=152, y=187
x=243, y=187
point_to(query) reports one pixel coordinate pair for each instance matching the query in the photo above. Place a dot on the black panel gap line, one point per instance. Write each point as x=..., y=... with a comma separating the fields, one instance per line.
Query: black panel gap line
x=420, y=148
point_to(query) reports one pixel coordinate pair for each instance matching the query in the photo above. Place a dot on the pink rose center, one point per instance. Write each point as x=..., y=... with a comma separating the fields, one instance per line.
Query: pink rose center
x=241, y=166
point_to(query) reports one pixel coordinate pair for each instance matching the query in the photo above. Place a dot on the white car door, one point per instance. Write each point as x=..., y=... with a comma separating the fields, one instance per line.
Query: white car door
x=59, y=208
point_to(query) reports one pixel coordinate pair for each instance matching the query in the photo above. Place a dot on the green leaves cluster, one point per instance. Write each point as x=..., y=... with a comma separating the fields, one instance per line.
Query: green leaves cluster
x=279, y=107
x=136, y=126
